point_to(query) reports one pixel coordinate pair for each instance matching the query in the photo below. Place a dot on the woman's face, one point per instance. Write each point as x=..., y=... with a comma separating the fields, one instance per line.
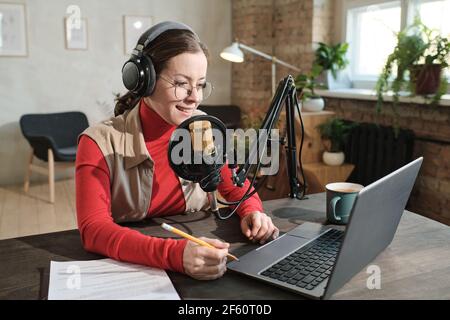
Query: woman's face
x=188, y=70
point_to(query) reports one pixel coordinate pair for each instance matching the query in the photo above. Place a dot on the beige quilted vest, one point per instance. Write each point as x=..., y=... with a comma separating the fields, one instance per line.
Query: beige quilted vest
x=122, y=143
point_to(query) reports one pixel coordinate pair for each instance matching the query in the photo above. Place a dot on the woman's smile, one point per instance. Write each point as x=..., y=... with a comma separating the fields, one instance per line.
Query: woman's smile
x=185, y=110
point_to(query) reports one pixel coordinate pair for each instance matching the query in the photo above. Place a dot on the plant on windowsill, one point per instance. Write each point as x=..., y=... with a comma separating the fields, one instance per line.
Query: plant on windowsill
x=417, y=65
x=306, y=83
x=333, y=60
x=334, y=133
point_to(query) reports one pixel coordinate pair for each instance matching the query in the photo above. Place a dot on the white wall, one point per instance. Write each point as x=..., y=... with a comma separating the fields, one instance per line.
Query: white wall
x=53, y=79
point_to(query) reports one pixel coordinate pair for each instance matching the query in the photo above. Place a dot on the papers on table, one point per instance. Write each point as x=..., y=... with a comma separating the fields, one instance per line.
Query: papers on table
x=108, y=279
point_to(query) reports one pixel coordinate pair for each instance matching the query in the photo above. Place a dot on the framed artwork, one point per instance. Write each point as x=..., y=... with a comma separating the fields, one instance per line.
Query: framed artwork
x=76, y=34
x=13, y=30
x=133, y=28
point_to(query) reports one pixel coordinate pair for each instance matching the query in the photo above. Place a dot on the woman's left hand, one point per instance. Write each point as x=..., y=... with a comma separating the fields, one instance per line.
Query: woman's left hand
x=258, y=227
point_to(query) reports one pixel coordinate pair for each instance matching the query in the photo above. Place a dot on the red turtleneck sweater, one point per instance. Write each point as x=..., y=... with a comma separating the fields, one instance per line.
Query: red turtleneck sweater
x=100, y=234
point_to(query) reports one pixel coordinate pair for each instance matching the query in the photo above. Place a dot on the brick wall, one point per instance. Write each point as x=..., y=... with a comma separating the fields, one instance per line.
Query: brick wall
x=431, y=125
x=284, y=28
x=323, y=21
x=292, y=30
x=253, y=26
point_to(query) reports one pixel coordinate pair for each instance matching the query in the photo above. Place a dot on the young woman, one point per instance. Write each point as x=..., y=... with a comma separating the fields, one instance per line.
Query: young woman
x=123, y=173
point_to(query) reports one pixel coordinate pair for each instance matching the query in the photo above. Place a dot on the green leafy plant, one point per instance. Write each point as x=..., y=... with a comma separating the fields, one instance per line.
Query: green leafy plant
x=306, y=83
x=331, y=57
x=418, y=49
x=335, y=132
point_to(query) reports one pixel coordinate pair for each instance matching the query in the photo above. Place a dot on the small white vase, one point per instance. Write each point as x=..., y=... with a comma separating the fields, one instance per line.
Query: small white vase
x=333, y=158
x=313, y=105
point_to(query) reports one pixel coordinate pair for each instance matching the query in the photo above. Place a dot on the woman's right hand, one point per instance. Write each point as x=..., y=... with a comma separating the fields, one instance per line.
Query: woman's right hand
x=203, y=263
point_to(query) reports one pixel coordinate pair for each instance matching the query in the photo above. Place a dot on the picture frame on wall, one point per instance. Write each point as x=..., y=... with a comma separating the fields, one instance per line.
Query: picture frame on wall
x=76, y=34
x=13, y=30
x=133, y=28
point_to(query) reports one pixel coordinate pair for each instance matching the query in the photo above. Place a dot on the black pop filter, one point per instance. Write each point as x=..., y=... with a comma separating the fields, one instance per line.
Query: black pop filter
x=197, y=150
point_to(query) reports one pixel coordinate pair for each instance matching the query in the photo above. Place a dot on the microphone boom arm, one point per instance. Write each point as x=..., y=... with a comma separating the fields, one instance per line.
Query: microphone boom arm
x=286, y=93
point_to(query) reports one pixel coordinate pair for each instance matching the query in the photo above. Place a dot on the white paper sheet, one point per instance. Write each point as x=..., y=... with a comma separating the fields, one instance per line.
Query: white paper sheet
x=108, y=279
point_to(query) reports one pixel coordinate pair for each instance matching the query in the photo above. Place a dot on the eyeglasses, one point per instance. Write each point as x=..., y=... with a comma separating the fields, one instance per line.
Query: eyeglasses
x=184, y=89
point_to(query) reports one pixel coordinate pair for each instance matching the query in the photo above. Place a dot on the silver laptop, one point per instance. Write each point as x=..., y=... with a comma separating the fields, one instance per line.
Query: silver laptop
x=315, y=260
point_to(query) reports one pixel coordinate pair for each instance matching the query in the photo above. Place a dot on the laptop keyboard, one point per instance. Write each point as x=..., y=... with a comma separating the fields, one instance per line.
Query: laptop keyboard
x=310, y=265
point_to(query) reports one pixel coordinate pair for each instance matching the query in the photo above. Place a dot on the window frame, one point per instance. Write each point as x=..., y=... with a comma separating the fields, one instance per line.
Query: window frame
x=407, y=13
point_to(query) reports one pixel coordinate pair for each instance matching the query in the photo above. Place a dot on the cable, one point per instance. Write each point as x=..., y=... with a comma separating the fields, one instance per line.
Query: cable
x=257, y=186
x=249, y=194
x=246, y=196
x=301, y=147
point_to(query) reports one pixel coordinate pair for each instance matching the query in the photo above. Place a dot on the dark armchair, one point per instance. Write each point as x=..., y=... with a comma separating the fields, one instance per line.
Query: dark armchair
x=53, y=138
x=230, y=115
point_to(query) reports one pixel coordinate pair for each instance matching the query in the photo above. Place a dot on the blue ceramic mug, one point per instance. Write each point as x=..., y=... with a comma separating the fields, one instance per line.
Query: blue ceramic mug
x=340, y=199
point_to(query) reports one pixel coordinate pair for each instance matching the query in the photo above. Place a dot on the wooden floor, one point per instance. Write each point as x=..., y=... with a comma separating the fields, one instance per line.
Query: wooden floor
x=28, y=214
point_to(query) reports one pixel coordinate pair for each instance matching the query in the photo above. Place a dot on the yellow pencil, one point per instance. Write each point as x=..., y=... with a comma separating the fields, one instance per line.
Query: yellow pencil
x=196, y=240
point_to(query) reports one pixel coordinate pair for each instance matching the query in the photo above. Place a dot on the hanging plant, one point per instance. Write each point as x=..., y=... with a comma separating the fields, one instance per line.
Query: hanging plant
x=416, y=66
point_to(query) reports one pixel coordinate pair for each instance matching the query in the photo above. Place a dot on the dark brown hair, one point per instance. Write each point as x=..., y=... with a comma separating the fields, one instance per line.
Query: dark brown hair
x=166, y=46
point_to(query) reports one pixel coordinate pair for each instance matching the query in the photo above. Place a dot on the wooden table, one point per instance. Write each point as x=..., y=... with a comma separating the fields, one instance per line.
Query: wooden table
x=415, y=266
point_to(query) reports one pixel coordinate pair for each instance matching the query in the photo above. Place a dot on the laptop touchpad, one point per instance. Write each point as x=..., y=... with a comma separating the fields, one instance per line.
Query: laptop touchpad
x=260, y=258
x=308, y=230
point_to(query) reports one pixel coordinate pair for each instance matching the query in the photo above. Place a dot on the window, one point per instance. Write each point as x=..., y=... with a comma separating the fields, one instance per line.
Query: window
x=371, y=34
x=371, y=26
x=435, y=14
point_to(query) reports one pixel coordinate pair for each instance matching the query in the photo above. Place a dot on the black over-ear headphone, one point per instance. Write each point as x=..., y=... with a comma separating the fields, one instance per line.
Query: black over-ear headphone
x=138, y=73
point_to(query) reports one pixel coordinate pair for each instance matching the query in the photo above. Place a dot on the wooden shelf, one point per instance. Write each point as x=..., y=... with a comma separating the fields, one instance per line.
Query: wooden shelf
x=318, y=175
x=313, y=147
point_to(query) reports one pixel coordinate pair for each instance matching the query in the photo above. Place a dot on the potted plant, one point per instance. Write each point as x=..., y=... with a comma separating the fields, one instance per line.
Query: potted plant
x=306, y=84
x=333, y=60
x=334, y=132
x=427, y=77
x=416, y=64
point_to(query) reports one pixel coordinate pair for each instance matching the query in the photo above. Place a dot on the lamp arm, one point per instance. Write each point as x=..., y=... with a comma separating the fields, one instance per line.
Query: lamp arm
x=287, y=65
x=268, y=57
x=254, y=51
x=286, y=93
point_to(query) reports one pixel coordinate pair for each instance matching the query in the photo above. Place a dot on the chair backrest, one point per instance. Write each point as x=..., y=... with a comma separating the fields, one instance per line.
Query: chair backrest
x=63, y=127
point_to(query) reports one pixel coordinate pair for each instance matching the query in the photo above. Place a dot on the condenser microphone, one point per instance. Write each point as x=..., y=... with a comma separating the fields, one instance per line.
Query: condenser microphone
x=195, y=154
x=198, y=151
x=205, y=153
